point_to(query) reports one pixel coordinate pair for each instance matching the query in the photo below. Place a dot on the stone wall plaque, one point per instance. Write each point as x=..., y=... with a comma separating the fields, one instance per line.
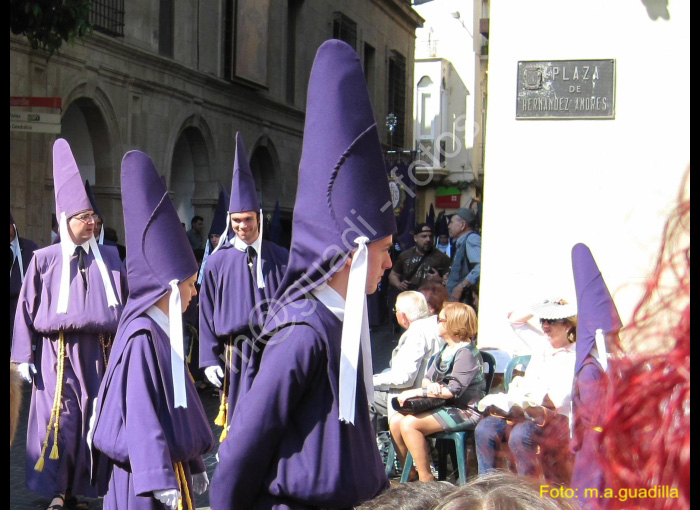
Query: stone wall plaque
x=566, y=89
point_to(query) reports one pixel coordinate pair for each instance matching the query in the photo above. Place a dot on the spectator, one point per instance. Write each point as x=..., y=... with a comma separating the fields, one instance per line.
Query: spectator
x=410, y=496
x=194, y=235
x=534, y=415
x=436, y=296
x=410, y=358
x=466, y=266
x=21, y=253
x=420, y=264
x=455, y=374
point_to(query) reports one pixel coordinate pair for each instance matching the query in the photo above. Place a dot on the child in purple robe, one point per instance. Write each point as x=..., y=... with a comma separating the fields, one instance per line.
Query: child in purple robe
x=150, y=424
x=240, y=278
x=301, y=437
x=67, y=315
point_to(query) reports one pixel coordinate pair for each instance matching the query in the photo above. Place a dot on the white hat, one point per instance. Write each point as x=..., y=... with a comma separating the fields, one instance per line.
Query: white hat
x=553, y=309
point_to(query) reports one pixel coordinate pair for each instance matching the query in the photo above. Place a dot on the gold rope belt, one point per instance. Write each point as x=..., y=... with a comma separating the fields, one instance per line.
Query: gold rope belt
x=56, y=407
x=182, y=487
x=222, y=418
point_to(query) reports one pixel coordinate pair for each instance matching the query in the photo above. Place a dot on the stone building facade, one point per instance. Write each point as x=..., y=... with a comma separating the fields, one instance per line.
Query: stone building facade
x=177, y=79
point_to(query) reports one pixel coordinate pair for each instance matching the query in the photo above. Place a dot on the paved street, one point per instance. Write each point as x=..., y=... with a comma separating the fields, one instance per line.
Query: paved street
x=383, y=342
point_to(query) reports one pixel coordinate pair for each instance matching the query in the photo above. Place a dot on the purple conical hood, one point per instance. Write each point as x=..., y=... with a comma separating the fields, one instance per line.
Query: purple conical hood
x=68, y=185
x=218, y=224
x=243, y=194
x=157, y=250
x=596, y=309
x=343, y=189
x=91, y=198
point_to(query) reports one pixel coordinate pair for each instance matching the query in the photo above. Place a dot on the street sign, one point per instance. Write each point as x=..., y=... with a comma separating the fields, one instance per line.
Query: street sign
x=35, y=127
x=39, y=102
x=46, y=118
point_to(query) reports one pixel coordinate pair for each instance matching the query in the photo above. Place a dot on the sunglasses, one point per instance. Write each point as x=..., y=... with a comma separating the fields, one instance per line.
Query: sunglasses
x=552, y=321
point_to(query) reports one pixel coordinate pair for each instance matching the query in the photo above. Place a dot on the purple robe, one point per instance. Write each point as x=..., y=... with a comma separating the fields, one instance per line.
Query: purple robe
x=286, y=448
x=27, y=248
x=137, y=426
x=229, y=304
x=37, y=324
x=588, y=471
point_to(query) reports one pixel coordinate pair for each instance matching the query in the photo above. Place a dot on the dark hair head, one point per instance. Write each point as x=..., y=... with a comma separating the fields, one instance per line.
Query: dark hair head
x=436, y=295
x=195, y=219
x=410, y=496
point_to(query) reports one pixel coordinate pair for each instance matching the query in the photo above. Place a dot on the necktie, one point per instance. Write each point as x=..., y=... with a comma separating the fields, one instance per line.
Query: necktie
x=251, y=253
x=80, y=251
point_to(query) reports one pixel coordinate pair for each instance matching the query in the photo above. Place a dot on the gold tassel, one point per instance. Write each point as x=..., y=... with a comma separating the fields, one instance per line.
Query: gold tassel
x=56, y=407
x=222, y=417
x=224, y=434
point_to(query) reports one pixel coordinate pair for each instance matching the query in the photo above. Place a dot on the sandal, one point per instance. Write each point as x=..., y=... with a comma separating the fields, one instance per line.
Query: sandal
x=57, y=506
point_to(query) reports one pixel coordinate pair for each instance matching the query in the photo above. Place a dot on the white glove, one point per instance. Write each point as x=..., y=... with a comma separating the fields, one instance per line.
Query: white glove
x=200, y=482
x=27, y=371
x=169, y=497
x=215, y=375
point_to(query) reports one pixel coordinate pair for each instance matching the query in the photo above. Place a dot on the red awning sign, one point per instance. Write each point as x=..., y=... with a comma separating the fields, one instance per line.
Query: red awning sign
x=39, y=102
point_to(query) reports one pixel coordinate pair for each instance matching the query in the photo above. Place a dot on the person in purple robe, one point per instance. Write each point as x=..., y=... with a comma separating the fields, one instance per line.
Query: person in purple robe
x=66, y=318
x=598, y=326
x=21, y=252
x=150, y=428
x=239, y=279
x=301, y=437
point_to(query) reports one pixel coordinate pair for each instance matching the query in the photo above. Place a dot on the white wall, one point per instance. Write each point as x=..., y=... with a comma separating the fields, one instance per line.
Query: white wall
x=608, y=183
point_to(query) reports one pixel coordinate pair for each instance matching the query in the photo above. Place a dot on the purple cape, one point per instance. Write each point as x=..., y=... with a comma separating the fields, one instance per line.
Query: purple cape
x=138, y=428
x=36, y=323
x=231, y=305
x=286, y=448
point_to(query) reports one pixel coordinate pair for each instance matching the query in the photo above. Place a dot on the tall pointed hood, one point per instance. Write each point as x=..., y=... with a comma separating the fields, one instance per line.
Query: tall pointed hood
x=218, y=225
x=95, y=209
x=72, y=199
x=343, y=189
x=597, y=314
x=342, y=203
x=276, y=224
x=244, y=197
x=158, y=255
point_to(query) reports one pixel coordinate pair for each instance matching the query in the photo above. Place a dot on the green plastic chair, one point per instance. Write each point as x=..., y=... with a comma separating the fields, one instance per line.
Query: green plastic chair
x=512, y=365
x=458, y=438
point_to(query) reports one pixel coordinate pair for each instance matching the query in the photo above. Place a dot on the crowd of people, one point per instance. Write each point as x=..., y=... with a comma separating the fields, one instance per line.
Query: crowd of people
x=102, y=333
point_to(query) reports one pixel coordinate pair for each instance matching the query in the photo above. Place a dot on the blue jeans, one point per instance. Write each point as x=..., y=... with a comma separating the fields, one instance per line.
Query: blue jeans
x=525, y=440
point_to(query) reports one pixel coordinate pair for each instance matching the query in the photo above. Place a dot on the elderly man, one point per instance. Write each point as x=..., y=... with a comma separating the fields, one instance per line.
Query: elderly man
x=420, y=264
x=410, y=358
x=466, y=266
x=67, y=315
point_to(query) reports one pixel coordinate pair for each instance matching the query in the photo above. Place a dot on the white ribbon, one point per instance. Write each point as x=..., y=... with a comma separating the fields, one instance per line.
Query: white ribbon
x=355, y=335
x=602, y=349
x=101, y=239
x=18, y=255
x=261, y=281
x=67, y=249
x=177, y=347
x=104, y=273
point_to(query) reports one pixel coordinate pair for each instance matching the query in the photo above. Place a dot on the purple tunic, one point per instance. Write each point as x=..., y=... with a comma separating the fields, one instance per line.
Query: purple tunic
x=587, y=471
x=287, y=448
x=37, y=324
x=27, y=248
x=137, y=426
x=229, y=304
